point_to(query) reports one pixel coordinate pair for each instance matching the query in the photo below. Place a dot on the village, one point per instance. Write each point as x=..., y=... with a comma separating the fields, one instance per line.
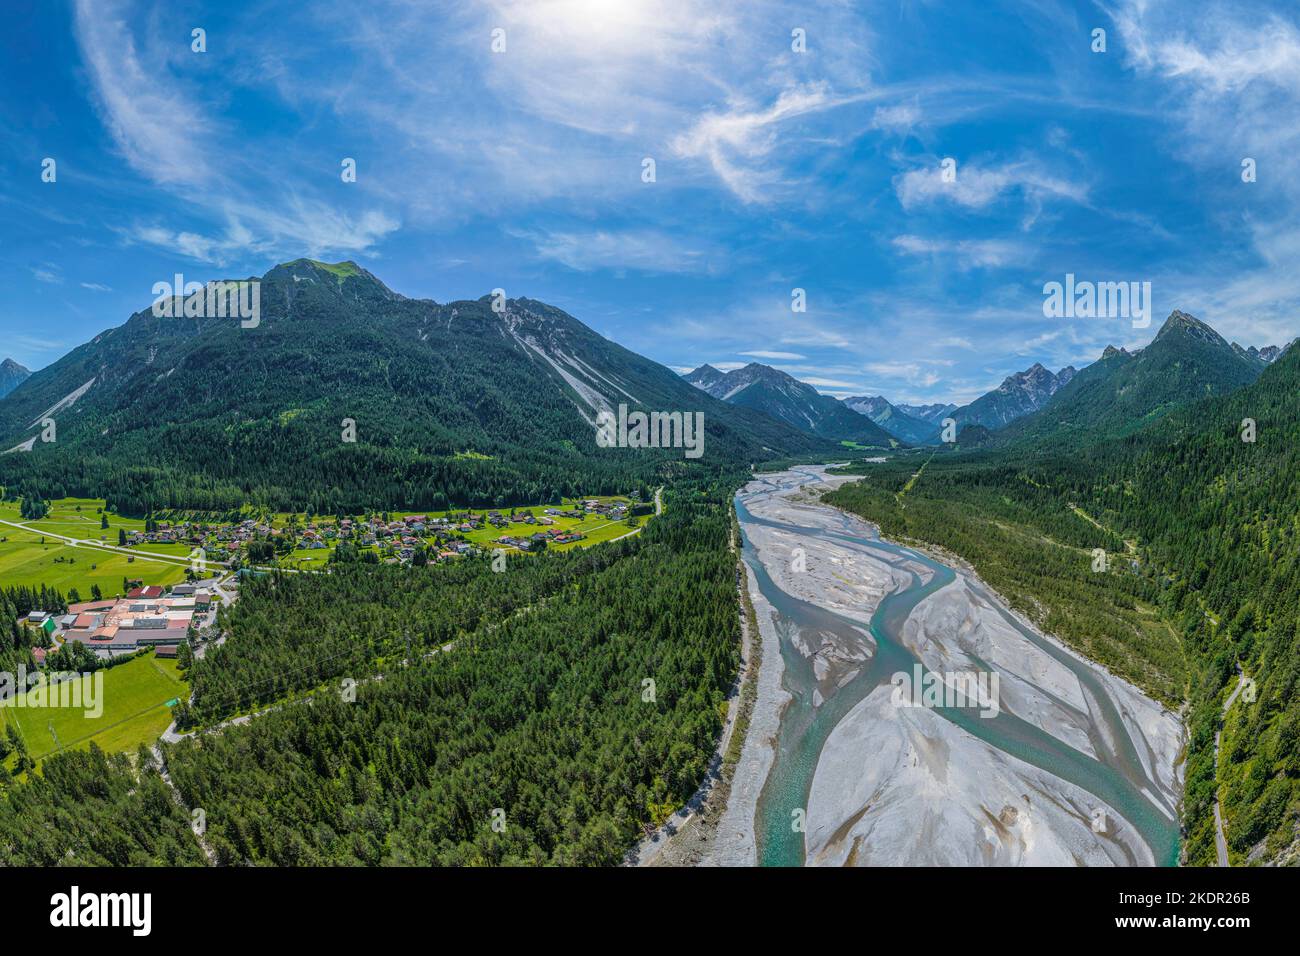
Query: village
x=294, y=540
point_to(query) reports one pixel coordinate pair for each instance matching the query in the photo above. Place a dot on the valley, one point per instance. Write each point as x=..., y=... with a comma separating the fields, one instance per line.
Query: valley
x=1021, y=569
x=839, y=774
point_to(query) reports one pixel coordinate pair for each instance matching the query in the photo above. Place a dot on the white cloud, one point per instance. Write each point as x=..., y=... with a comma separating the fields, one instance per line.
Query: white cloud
x=641, y=250
x=96, y=287
x=976, y=187
x=899, y=118
x=965, y=253
x=763, y=354
x=738, y=143
x=302, y=228
x=160, y=130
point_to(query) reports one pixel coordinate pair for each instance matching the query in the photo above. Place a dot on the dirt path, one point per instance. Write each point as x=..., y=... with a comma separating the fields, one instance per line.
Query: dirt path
x=199, y=832
x=1220, y=842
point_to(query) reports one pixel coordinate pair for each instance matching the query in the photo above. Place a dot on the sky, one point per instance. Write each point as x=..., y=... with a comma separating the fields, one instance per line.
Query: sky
x=920, y=170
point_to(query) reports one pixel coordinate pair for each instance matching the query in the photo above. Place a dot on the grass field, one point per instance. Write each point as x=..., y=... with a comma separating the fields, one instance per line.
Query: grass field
x=135, y=695
x=26, y=559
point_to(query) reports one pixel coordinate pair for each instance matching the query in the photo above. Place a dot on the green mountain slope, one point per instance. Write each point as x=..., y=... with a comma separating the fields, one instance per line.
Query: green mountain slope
x=1202, y=529
x=452, y=403
x=1123, y=392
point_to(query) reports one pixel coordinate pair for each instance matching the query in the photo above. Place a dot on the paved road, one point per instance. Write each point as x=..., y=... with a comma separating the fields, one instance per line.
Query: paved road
x=101, y=546
x=1220, y=843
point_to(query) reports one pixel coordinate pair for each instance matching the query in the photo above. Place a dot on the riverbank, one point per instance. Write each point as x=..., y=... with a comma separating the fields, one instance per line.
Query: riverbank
x=1077, y=766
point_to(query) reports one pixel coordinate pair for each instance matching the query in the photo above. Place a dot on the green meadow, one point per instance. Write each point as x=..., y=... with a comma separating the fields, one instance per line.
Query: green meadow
x=33, y=556
x=135, y=711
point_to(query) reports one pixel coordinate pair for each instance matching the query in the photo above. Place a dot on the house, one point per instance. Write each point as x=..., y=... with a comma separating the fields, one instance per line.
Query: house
x=152, y=591
x=166, y=650
x=202, y=600
x=37, y=617
x=183, y=590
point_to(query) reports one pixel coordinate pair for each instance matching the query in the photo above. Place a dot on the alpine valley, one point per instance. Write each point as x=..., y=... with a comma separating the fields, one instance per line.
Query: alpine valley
x=349, y=399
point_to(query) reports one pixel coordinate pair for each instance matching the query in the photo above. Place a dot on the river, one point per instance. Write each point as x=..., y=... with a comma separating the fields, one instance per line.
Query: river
x=1075, y=766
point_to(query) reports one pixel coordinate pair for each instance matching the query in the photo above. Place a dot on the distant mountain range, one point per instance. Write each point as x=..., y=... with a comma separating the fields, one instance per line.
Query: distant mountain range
x=11, y=376
x=455, y=403
x=1186, y=360
x=906, y=428
x=1017, y=396
x=927, y=413
x=788, y=400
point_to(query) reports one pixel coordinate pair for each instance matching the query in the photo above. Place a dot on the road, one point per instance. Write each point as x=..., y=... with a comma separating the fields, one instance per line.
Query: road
x=1220, y=843
x=659, y=509
x=101, y=546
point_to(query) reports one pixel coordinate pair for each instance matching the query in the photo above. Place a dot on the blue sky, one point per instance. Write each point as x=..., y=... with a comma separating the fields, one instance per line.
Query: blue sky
x=775, y=169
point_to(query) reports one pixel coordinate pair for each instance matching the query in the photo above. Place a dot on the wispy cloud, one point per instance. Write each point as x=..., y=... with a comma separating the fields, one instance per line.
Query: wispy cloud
x=644, y=250
x=738, y=144
x=965, y=253
x=776, y=356
x=977, y=187
x=160, y=129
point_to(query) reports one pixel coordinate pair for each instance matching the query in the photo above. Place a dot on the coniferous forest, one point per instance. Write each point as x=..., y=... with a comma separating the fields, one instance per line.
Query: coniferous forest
x=544, y=715
x=1202, y=532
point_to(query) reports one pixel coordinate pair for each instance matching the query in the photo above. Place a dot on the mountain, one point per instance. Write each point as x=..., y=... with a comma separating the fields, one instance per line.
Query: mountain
x=706, y=377
x=1124, y=391
x=786, y=399
x=904, y=427
x=1217, y=513
x=928, y=413
x=455, y=403
x=1017, y=396
x=11, y=376
x=1265, y=356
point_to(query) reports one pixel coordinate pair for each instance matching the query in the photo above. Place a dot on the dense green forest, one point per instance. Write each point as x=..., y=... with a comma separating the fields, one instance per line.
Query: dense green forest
x=581, y=698
x=1215, y=521
x=1038, y=553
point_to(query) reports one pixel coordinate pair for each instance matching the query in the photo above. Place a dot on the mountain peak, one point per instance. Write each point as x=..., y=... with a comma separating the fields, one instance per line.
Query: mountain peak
x=11, y=376
x=783, y=397
x=314, y=270
x=1181, y=323
x=342, y=269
